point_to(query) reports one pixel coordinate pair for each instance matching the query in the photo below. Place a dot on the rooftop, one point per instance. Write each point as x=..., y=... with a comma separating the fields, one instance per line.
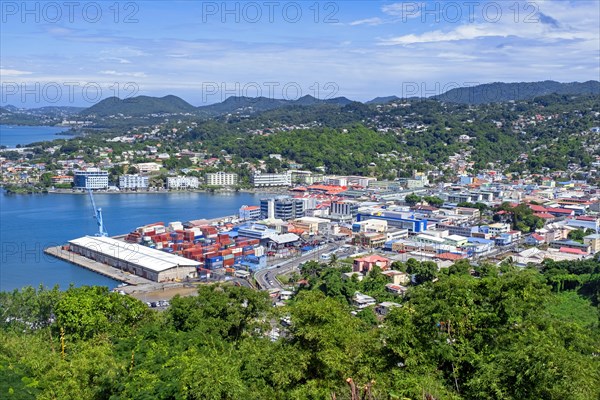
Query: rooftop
x=143, y=256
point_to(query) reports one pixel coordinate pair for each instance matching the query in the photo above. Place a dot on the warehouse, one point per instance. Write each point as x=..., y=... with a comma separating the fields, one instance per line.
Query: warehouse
x=148, y=263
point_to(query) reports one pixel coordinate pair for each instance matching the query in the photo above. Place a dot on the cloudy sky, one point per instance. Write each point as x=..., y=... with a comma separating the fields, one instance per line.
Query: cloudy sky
x=75, y=53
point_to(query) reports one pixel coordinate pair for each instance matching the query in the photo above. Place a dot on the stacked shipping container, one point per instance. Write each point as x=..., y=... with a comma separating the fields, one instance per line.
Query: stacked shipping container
x=204, y=244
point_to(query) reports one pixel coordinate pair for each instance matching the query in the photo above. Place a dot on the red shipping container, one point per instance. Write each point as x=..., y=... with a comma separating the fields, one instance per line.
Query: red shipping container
x=229, y=263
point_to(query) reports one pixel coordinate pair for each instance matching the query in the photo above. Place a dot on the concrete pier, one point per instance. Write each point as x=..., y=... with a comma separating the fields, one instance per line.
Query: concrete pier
x=138, y=287
x=97, y=267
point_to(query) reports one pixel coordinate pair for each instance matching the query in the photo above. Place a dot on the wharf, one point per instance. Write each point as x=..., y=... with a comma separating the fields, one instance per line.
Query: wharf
x=137, y=286
x=97, y=267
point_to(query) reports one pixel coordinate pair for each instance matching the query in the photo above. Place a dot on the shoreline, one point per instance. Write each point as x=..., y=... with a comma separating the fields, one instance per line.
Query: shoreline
x=273, y=191
x=221, y=191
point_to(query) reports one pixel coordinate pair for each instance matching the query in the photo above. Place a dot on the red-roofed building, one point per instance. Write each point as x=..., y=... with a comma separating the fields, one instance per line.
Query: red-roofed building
x=545, y=215
x=560, y=212
x=570, y=250
x=366, y=264
x=535, y=239
x=537, y=209
x=450, y=256
x=327, y=189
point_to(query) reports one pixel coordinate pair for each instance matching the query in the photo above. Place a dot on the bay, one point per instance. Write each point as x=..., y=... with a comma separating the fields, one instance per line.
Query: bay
x=12, y=135
x=30, y=223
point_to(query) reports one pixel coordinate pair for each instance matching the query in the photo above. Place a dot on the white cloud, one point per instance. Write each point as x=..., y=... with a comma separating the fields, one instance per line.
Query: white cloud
x=368, y=21
x=406, y=9
x=128, y=74
x=13, y=72
x=572, y=26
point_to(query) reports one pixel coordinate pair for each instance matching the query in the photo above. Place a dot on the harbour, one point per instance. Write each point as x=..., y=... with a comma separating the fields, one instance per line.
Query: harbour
x=32, y=223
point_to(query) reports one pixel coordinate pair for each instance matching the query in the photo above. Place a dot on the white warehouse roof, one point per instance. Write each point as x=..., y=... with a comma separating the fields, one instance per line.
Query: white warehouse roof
x=145, y=257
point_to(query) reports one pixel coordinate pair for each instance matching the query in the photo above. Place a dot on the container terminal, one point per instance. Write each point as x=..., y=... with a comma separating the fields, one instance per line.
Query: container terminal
x=179, y=251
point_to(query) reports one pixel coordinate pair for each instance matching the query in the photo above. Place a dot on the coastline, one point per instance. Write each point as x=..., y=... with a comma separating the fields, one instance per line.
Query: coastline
x=212, y=191
x=266, y=191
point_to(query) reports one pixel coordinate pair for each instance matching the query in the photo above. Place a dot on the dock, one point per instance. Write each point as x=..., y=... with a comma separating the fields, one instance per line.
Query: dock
x=137, y=286
x=97, y=267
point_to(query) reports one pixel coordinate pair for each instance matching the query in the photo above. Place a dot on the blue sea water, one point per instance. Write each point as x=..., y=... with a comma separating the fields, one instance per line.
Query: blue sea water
x=30, y=223
x=12, y=135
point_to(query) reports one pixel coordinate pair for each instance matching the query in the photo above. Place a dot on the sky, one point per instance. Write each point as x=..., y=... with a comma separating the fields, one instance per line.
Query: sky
x=75, y=53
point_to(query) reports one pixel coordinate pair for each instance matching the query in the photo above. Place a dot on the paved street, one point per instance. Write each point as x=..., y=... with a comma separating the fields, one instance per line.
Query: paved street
x=266, y=278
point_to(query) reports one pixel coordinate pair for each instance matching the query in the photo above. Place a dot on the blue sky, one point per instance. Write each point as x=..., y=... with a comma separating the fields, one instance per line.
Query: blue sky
x=203, y=51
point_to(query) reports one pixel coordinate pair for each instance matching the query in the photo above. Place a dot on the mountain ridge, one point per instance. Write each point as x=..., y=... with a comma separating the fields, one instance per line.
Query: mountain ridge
x=141, y=106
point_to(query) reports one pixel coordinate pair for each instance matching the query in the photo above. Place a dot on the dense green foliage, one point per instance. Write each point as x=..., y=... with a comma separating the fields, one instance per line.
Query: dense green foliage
x=501, y=334
x=390, y=140
x=498, y=91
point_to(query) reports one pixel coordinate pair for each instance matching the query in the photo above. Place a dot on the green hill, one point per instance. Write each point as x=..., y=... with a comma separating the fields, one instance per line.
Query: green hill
x=501, y=92
x=139, y=106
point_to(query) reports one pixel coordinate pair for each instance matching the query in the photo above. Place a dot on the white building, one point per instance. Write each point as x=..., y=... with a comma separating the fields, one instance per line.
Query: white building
x=336, y=180
x=133, y=182
x=221, y=179
x=92, y=178
x=148, y=167
x=143, y=261
x=182, y=182
x=498, y=228
x=260, y=179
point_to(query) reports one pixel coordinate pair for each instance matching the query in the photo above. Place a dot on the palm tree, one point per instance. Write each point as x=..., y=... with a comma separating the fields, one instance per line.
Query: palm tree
x=333, y=261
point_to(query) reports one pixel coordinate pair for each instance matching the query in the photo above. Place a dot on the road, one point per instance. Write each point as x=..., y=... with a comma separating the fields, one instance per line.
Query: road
x=265, y=278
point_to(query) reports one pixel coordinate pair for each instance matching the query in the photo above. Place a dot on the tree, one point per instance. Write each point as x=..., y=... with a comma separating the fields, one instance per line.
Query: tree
x=434, y=201
x=46, y=179
x=577, y=235
x=412, y=199
x=423, y=271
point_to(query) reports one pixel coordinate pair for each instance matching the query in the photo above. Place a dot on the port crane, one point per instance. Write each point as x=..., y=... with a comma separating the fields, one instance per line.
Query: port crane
x=98, y=217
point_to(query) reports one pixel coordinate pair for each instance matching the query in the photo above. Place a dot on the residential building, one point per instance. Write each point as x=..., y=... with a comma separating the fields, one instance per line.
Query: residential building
x=146, y=168
x=593, y=241
x=221, y=179
x=92, y=178
x=366, y=264
x=384, y=308
x=249, y=212
x=498, y=229
x=62, y=180
x=182, y=182
x=397, y=277
x=361, y=301
x=396, y=289
x=133, y=182
x=260, y=179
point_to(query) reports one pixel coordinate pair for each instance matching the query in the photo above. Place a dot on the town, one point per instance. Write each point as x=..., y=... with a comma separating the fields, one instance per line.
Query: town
x=363, y=223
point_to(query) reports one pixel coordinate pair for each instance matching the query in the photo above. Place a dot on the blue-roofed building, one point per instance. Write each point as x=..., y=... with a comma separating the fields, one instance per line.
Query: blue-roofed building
x=396, y=219
x=480, y=245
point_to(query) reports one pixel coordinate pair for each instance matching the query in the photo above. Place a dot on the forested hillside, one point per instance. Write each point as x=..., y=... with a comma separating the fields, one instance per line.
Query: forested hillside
x=475, y=333
x=553, y=131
